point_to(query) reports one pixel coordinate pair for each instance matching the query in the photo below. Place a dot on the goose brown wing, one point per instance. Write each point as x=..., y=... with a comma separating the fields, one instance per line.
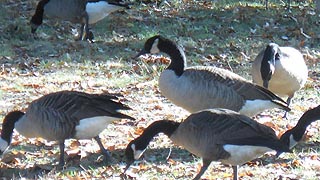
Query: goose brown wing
x=78, y=105
x=244, y=88
x=57, y=114
x=205, y=132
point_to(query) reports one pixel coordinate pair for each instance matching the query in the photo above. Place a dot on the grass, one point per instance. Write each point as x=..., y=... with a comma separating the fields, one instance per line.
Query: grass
x=221, y=33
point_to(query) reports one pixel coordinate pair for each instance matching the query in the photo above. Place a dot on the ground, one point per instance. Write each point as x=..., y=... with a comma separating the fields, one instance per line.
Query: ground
x=226, y=33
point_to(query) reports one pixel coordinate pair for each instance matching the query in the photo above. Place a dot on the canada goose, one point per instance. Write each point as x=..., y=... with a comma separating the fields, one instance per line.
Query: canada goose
x=294, y=135
x=64, y=115
x=78, y=11
x=215, y=135
x=204, y=87
x=282, y=70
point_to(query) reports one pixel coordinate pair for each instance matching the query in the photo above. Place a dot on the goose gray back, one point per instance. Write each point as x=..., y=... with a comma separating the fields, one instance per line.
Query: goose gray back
x=215, y=135
x=64, y=115
x=71, y=10
x=282, y=70
x=205, y=87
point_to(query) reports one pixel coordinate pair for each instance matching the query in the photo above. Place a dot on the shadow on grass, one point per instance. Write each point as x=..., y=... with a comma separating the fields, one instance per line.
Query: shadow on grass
x=92, y=161
x=73, y=163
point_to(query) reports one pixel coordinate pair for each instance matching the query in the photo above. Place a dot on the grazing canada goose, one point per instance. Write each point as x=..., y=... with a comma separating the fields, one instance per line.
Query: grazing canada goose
x=282, y=70
x=64, y=115
x=294, y=135
x=84, y=12
x=204, y=87
x=215, y=135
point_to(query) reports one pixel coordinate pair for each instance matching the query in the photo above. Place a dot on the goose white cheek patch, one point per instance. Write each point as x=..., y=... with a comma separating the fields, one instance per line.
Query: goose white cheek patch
x=136, y=153
x=292, y=142
x=154, y=49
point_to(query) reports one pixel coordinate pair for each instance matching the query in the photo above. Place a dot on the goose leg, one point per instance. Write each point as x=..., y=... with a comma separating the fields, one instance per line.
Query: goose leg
x=235, y=172
x=288, y=5
x=81, y=32
x=103, y=150
x=266, y=4
x=88, y=34
x=61, y=160
x=288, y=102
x=205, y=165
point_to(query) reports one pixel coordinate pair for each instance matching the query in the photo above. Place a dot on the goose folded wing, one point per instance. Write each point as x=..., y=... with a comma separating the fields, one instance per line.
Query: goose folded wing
x=227, y=127
x=242, y=86
x=79, y=105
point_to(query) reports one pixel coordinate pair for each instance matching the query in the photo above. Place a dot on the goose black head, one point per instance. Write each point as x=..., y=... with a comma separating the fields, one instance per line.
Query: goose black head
x=270, y=56
x=292, y=136
x=133, y=152
x=288, y=139
x=150, y=46
x=7, y=129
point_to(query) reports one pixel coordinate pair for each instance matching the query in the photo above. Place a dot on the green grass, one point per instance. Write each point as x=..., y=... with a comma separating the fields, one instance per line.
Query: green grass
x=221, y=33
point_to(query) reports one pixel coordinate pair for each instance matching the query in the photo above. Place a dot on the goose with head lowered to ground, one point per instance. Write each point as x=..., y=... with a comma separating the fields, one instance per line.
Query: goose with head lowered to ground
x=292, y=136
x=205, y=87
x=215, y=135
x=64, y=115
x=84, y=12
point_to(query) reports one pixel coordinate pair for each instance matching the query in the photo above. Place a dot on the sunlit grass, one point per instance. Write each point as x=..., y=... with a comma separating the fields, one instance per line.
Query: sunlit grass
x=225, y=33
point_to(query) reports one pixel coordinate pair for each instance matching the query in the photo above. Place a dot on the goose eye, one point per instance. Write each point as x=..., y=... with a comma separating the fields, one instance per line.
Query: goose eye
x=277, y=56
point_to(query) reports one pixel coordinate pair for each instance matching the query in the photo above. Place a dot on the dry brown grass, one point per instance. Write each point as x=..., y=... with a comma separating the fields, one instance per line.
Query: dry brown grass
x=223, y=34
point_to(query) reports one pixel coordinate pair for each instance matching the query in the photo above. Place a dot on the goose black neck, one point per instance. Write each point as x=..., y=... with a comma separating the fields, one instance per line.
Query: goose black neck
x=306, y=119
x=165, y=126
x=37, y=18
x=267, y=62
x=8, y=124
x=177, y=56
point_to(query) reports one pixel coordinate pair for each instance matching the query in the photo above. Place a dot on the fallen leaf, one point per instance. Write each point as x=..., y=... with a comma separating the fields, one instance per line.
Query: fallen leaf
x=314, y=157
x=139, y=131
x=296, y=163
x=73, y=152
x=74, y=145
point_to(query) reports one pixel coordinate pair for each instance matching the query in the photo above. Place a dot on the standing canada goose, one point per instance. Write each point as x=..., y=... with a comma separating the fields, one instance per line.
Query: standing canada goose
x=282, y=70
x=294, y=135
x=204, y=87
x=64, y=115
x=84, y=12
x=215, y=135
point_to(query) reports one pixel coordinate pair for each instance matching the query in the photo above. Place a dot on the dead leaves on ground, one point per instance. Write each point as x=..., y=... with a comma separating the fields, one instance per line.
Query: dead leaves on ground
x=27, y=62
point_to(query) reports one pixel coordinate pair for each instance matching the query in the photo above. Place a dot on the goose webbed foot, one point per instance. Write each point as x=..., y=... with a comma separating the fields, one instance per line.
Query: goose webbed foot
x=34, y=36
x=104, y=151
x=86, y=36
x=205, y=165
x=285, y=115
x=90, y=37
x=61, y=159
